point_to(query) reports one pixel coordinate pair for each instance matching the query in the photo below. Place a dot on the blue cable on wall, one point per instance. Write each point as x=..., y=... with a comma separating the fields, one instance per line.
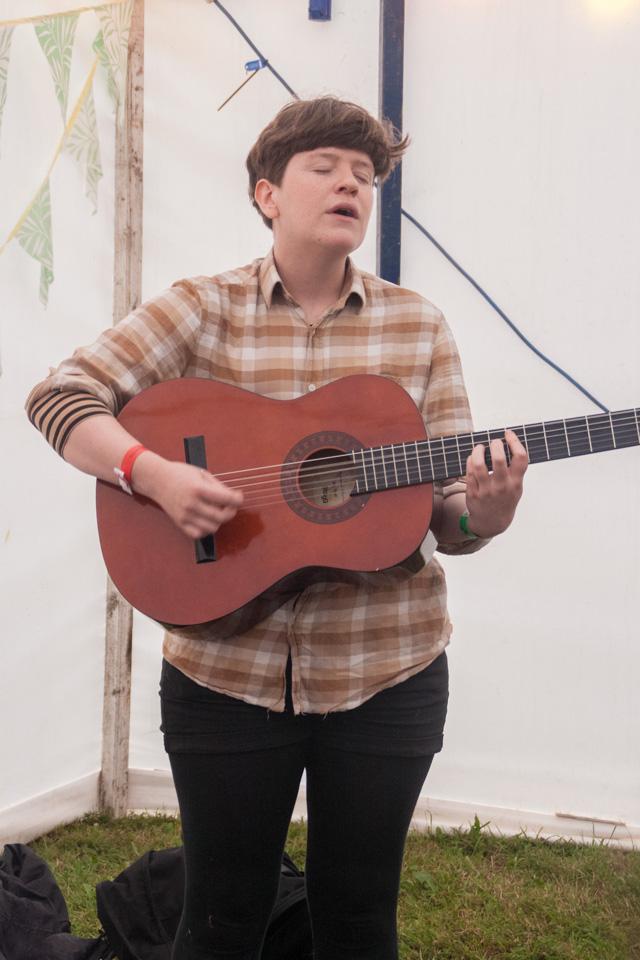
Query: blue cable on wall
x=501, y=313
x=423, y=230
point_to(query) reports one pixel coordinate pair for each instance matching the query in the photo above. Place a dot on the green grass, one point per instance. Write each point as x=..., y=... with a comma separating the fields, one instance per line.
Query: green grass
x=465, y=895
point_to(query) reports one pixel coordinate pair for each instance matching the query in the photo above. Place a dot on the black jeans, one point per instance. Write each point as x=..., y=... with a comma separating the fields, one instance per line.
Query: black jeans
x=237, y=770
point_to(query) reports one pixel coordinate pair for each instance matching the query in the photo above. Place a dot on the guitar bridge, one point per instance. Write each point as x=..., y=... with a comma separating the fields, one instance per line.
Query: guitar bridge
x=195, y=454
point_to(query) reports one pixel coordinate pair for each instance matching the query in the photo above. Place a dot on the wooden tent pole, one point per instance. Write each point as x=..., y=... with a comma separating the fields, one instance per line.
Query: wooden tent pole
x=127, y=292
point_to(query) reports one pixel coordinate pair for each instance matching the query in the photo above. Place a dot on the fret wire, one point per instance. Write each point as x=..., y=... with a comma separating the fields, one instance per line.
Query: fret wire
x=586, y=420
x=373, y=467
x=538, y=442
x=364, y=458
x=444, y=458
x=625, y=437
x=395, y=470
x=433, y=472
x=578, y=430
x=557, y=439
x=367, y=470
x=440, y=469
x=450, y=456
x=459, y=457
x=384, y=468
x=404, y=450
x=409, y=462
x=418, y=460
x=602, y=431
x=554, y=429
x=560, y=438
x=381, y=475
x=415, y=462
x=625, y=434
x=364, y=472
x=404, y=466
x=544, y=434
x=466, y=441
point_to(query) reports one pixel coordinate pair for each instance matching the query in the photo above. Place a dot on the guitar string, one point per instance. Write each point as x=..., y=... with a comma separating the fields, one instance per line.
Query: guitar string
x=631, y=419
x=261, y=498
x=550, y=435
x=374, y=475
x=250, y=504
x=383, y=457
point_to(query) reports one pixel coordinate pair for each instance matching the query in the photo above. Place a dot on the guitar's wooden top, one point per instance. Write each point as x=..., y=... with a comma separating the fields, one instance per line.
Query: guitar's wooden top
x=298, y=512
x=310, y=470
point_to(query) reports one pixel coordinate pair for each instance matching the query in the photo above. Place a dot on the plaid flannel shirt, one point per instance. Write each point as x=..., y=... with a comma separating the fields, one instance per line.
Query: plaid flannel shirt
x=347, y=640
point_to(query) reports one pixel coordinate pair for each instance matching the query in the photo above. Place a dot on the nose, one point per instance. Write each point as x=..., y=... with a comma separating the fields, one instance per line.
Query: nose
x=347, y=181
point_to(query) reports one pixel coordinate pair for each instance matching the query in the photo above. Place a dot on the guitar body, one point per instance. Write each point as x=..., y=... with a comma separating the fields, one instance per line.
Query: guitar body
x=298, y=517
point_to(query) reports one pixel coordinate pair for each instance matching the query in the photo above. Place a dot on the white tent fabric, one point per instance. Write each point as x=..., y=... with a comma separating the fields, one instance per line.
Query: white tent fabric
x=524, y=165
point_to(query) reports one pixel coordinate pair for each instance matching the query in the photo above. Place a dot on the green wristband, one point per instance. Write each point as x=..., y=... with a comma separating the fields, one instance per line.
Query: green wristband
x=464, y=526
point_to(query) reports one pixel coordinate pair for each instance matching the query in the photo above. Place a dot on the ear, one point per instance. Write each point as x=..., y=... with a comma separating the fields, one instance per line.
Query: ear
x=266, y=199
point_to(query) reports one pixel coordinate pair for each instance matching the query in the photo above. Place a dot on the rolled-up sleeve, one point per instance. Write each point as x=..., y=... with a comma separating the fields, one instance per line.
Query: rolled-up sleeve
x=153, y=343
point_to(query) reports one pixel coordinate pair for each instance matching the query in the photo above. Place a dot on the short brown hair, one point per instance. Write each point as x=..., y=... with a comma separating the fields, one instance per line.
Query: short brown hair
x=323, y=122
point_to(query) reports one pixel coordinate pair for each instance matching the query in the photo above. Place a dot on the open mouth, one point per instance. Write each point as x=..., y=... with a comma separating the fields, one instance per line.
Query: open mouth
x=345, y=212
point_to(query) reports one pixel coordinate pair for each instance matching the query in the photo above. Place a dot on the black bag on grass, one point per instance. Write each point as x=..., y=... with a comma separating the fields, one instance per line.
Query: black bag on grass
x=140, y=910
x=34, y=921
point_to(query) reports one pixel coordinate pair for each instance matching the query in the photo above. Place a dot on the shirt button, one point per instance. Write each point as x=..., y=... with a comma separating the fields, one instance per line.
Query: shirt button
x=311, y=387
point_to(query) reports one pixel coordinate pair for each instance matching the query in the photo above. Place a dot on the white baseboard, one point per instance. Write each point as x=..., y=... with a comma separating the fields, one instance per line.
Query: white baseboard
x=153, y=791
x=31, y=818
x=451, y=814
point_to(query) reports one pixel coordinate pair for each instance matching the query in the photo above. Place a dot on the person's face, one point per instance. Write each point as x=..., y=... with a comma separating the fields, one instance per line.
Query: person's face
x=324, y=199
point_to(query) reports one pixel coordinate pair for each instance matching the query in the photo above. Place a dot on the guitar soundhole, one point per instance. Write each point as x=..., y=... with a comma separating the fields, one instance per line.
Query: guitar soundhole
x=327, y=478
x=319, y=476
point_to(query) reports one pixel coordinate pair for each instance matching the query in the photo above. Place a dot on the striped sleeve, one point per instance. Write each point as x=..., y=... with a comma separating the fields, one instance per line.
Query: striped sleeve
x=155, y=342
x=57, y=413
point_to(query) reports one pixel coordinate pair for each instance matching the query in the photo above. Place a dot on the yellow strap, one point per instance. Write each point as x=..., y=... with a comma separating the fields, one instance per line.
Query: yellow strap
x=70, y=122
x=62, y=13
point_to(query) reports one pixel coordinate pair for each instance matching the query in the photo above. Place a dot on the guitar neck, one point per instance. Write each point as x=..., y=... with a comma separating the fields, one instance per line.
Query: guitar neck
x=425, y=461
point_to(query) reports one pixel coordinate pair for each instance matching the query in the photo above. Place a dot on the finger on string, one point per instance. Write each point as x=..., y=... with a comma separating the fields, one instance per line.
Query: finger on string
x=219, y=491
x=498, y=459
x=519, y=455
x=477, y=466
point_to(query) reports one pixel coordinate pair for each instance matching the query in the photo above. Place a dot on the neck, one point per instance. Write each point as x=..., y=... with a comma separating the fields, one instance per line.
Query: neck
x=444, y=458
x=314, y=280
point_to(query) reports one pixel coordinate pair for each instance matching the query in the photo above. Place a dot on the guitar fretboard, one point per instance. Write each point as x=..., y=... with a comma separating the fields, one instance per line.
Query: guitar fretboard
x=423, y=461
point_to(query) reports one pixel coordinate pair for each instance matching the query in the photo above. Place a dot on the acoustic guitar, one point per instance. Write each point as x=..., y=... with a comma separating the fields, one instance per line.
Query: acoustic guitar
x=334, y=481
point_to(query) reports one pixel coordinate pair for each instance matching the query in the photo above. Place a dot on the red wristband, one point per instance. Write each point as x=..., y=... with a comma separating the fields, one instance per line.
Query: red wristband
x=123, y=472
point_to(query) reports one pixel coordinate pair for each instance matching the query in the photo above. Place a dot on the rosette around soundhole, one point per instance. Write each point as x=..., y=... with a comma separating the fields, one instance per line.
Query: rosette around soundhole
x=319, y=475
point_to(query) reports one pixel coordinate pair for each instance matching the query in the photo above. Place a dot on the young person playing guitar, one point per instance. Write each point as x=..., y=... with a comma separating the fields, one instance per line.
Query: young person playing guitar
x=345, y=679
